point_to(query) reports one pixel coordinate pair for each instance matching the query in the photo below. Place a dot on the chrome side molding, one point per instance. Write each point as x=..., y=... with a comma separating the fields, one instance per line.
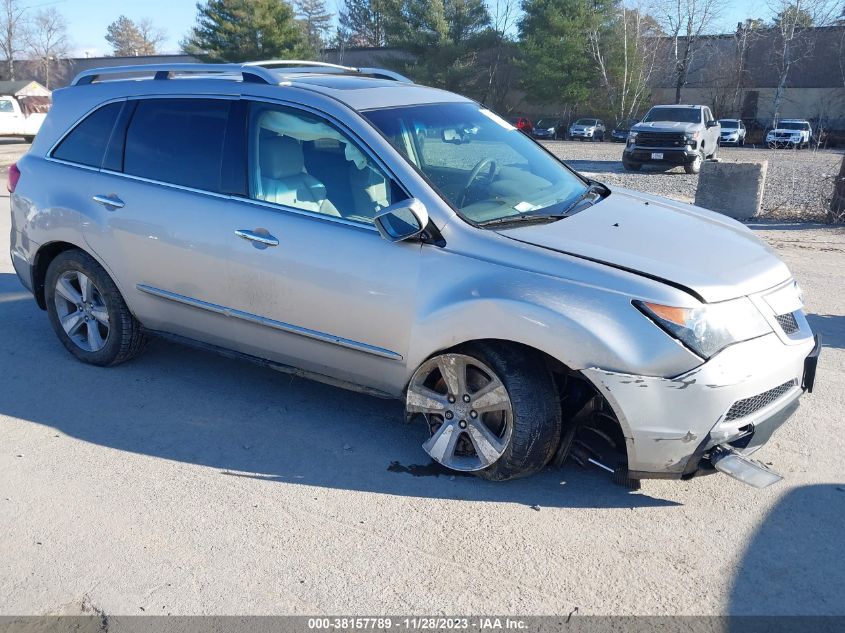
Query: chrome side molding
x=271, y=323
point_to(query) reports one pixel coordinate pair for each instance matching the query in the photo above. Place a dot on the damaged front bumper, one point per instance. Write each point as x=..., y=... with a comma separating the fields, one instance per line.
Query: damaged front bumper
x=735, y=400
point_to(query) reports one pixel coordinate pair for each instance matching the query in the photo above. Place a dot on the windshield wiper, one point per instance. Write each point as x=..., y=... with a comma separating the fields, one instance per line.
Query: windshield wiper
x=595, y=189
x=525, y=217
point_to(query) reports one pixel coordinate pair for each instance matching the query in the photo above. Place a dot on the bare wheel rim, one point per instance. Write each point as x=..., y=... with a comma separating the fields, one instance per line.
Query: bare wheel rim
x=82, y=311
x=467, y=409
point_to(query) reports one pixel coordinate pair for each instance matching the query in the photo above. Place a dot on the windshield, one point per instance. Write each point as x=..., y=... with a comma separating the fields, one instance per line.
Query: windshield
x=547, y=123
x=676, y=115
x=585, y=122
x=792, y=125
x=486, y=169
x=729, y=125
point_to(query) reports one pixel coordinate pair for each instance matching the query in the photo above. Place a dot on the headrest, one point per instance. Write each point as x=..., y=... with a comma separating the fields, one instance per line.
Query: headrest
x=280, y=157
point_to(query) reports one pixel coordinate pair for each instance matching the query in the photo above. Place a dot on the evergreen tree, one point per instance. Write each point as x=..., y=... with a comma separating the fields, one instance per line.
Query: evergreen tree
x=244, y=30
x=556, y=67
x=364, y=22
x=316, y=21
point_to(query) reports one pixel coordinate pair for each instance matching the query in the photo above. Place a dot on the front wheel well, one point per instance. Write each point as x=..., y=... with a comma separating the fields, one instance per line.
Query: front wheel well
x=587, y=415
x=43, y=257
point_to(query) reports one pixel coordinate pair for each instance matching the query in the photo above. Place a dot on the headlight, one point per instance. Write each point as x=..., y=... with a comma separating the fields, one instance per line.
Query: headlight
x=632, y=136
x=692, y=136
x=709, y=328
x=550, y=130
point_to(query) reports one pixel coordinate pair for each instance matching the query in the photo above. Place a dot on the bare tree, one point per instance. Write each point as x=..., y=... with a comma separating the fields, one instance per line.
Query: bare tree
x=13, y=32
x=794, y=21
x=623, y=45
x=48, y=42
x=504, y=17
x=685, y=22
x=152, y=35
x=129, y=38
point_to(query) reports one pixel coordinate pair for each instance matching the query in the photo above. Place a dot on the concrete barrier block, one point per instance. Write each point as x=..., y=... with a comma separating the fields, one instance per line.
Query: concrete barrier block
x=735, y=189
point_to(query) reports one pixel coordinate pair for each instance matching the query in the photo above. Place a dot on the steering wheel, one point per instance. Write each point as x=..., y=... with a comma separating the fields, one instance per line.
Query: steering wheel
x=493, y=169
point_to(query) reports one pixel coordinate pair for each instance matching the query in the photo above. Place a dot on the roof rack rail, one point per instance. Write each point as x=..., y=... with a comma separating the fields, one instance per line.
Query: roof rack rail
x=294, y=63
x=298, y=65
x=254, y=73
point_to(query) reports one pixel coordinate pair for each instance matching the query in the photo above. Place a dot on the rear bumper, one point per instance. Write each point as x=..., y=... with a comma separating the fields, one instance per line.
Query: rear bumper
x=739, y=397
x=21, y=264
x=676, y=156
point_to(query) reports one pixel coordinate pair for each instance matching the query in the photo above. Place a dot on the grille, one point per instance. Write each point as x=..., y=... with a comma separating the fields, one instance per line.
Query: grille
x=747, y=406
x=652, y=139
x=787, y=323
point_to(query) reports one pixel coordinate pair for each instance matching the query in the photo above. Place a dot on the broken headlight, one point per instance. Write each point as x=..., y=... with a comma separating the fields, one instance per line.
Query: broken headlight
x=709, y=328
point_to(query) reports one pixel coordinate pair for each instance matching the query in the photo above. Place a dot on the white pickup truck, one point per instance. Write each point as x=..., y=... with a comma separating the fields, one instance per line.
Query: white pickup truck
x=22, y=116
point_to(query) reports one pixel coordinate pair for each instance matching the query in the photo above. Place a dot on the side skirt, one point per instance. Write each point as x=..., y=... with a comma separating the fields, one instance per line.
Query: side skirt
x=263, y=362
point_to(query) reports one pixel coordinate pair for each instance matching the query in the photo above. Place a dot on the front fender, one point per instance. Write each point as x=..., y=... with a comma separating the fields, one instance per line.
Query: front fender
x=580, y=325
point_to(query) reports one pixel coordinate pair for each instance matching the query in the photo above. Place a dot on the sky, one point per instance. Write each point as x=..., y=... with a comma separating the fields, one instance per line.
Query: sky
x=88, y=19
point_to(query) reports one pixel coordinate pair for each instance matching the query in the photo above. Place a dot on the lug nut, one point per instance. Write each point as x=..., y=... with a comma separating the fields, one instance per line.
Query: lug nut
x=462, y=424
x=473, y=414
x=451, y=398
x=466, y=397
x=449, y=415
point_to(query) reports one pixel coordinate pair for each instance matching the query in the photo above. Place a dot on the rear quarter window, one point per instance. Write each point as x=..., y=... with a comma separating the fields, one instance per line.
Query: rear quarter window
x=86, y=143
x=178, y=141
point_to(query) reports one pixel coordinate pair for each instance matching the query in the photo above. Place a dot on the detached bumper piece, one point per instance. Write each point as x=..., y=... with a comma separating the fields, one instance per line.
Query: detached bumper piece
x=748, y=471
x=810, y=364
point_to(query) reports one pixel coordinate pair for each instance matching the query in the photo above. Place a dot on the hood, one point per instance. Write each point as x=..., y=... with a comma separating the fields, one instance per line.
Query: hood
x=711, y=255
x=783, y=130
x=666, y=126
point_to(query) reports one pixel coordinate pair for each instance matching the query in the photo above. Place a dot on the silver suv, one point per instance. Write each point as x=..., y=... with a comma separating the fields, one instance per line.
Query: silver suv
x=404, y=241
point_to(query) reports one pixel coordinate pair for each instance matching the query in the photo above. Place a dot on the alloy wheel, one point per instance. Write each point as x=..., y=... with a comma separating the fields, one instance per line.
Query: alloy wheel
x=467, y=409
x=82, y=311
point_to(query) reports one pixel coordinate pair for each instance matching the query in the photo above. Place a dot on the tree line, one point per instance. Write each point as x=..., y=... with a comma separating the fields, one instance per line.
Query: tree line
x=570, y=56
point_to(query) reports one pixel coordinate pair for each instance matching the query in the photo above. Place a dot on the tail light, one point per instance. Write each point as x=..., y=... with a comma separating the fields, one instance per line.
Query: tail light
x=14, y=177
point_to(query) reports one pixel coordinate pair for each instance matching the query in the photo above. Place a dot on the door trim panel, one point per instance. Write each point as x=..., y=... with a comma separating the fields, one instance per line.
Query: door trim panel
x=271, y=323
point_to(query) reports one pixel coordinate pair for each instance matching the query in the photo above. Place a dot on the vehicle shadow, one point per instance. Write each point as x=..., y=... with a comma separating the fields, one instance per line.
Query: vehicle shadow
x=831, y=327
x=793, y=562
x=186, y=405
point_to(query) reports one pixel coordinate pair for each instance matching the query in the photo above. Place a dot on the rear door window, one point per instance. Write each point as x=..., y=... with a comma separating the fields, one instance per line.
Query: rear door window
x=86, y=144
x=178, y=141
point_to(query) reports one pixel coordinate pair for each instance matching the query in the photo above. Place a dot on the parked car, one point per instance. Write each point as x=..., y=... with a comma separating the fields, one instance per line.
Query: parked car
x=521, y=123
x=589, y=129
x=22, y=116
x=733, y=132
x=549, y=129
x=522, y=312
x=620, y=132
x=794, y=133
x=677, y=134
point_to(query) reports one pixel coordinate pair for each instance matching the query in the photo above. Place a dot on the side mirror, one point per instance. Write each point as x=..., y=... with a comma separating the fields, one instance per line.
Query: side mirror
x=712, y=123
x=402, y=221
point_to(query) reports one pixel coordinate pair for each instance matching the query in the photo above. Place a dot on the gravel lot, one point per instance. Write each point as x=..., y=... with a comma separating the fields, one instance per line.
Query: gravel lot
x=186, y=483
x=799, y=183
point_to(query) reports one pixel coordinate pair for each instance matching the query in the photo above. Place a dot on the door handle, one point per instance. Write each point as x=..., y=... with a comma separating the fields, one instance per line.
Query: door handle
x=109, y=201
x=261, y=236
